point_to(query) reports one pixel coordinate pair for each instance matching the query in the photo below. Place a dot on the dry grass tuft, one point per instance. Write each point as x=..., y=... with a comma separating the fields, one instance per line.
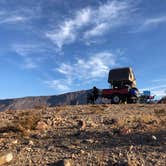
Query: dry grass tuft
x=134, y=160
x=160, y=112
x=23, y=123
x=139, y=122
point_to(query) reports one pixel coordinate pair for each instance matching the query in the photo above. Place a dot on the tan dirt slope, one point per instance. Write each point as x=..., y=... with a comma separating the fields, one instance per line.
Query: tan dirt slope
x=89, y=135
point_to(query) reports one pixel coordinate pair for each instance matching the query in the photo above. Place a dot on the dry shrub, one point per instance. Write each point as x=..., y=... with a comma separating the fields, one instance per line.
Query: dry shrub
x=37, y=107
x=26, y=121
x=135, y=160
x=22, y=123
x=160, y=112
x=130, y=121
x=138, y=121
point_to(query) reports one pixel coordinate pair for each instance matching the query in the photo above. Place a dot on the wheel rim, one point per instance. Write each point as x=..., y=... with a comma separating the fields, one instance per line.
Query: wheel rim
x=116, y=99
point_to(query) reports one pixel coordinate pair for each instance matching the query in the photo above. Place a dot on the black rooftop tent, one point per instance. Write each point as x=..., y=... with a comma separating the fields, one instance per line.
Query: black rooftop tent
x=122, y=76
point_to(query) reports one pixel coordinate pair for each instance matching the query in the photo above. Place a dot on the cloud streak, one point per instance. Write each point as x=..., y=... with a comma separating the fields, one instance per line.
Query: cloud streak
x=83, y=70
x=11, y=19
x=89, y=22
x=67, y=30
x=108, y=16
x=20, y=15
x=97, y=30
x=159, y=80
x=154, y=21
x=94, y=67
x=62, y=85
x=32, y=54
x=150, y=23
x=25, y=51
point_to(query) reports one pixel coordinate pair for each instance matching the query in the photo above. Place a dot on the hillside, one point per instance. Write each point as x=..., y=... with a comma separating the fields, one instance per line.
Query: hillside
x=78, y=97
x=83, y=135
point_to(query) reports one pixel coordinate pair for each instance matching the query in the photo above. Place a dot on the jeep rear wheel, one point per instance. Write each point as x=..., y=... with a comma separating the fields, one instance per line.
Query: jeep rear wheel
x=116, y=99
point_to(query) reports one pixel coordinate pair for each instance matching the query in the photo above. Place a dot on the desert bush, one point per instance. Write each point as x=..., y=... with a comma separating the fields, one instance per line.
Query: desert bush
x=25, y=121
x=140, y=122
x=160, y=112
x=130, y=121
x=22, y=123
x=135, y=160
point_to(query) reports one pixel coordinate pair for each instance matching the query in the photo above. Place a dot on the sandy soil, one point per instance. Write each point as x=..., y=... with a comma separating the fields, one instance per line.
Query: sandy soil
x=89, y=135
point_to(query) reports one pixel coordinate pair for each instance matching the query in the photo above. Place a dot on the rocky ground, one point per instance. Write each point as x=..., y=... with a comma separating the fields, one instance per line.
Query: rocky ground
x=118, y=135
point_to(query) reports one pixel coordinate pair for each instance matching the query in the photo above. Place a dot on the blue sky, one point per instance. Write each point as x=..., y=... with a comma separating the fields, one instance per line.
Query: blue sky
x=50, y=47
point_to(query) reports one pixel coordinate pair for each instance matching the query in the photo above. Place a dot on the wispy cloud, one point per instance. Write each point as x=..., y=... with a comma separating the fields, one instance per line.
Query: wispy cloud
x=83, y=70
x=98, y=30
x=66, y=32
x=159, y=80
x=89, y=22
x=150, y=23
x=31, y=54
x=62, y=85
x=96, y=66
x=29, y=63
x=156, y=87
x=20, y=15
x=25, y=51
x=154, y=21
x=28, y=49
x=108, y=16
x=11, y=19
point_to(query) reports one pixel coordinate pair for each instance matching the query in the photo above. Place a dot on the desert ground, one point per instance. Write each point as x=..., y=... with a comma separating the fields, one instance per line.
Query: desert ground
x=84, y=135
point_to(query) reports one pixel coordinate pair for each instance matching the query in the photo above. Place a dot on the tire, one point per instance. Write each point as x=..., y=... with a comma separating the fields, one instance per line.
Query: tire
x=135, y=101
x=132, y=101
x=116, y=99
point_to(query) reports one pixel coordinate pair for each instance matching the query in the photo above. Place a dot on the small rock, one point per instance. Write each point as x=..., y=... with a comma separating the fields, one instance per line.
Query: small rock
x=73, y=155
x=28, y=149
x=41, y=125
x=31, y=142
x=89, y=154
x=65, y=162
x=1, y=140
x=131, y=148
x=126, y=131
x=90, y=141
x=154, y=137
x=120, y=154
x=82, y=151
x=72, y=147
x=15, y=141
x=6, y=158
x=49, y=122
x=57, y=121
x=92, y=124
x=81, y=124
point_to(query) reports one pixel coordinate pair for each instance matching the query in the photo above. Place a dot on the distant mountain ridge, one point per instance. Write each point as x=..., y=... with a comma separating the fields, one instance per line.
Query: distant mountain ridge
x=72, y=98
